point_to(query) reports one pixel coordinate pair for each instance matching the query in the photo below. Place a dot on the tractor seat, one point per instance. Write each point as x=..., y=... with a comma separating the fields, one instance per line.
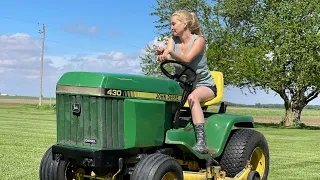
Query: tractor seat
x=218, y=79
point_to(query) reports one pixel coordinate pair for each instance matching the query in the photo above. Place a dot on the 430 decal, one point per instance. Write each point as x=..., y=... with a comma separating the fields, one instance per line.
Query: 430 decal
x=114, y=92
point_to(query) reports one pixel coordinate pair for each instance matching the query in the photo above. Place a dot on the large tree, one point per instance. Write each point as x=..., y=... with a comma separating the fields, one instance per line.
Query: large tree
x=262, y=44
x=273, y=45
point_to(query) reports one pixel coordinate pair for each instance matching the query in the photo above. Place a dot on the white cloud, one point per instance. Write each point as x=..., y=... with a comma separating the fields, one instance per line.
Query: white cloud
x=18, y=42
x=7, y=62
x=114, y=55
x=93, y=29
x=18, y=51
x=77, y=26
x=32, y=77
x=20, y=65
x=118, y=62
x=113, y=33
x=81, y=28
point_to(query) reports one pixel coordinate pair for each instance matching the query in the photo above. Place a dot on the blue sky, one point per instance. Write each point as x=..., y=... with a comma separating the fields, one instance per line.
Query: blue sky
x=102, y=36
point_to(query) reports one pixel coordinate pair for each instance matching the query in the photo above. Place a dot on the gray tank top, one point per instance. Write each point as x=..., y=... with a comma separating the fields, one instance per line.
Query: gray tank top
x=199, y=64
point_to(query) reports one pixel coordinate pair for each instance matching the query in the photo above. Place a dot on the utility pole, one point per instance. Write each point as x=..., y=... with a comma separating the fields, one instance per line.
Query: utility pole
x=43, y=32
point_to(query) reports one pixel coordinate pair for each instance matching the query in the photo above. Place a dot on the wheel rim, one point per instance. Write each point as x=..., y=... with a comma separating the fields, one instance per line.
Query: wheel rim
x=169, y=176
x=70, y=173
x=258, y=161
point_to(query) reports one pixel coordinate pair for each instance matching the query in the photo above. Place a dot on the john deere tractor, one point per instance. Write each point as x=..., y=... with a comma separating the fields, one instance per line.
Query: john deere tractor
x=120, y=126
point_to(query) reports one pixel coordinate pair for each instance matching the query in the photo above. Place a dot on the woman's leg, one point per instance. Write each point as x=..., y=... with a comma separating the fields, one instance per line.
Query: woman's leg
x=200, y=94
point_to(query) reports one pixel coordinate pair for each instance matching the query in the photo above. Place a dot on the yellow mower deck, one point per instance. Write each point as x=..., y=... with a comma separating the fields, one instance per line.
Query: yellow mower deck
x=217, y=174
x=213, y=173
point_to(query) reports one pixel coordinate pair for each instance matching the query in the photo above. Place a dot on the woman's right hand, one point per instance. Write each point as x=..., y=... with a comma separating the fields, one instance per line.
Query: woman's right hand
x=159, y=50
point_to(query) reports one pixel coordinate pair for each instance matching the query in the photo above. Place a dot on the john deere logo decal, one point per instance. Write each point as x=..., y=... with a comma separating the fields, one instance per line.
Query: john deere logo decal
x=76, y=108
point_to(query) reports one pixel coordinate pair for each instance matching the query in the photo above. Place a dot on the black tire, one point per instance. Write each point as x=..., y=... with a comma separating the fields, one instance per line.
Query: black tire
x=155, y=166
x=50, y=169
x=254, y=175
x=242, y=145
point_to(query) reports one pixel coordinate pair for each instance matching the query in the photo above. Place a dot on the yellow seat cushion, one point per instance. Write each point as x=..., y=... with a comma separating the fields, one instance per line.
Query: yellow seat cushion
x=218, y=79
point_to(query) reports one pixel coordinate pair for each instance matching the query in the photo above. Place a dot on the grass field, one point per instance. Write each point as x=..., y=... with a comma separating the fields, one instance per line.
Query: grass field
x=25, y=100
x=26, y=133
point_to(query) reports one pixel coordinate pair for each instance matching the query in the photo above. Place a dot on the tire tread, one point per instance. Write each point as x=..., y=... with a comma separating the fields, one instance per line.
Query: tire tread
x=148, y=168
x=238, y=150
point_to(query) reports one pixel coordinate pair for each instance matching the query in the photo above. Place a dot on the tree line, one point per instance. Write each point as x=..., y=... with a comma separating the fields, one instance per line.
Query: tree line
x=275, y=106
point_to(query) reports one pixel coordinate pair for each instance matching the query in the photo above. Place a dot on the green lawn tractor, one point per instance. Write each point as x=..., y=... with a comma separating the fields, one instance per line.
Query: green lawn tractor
x=119, y=126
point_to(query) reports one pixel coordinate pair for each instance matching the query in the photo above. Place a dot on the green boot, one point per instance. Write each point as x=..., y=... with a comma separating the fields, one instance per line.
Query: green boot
x=201, y=145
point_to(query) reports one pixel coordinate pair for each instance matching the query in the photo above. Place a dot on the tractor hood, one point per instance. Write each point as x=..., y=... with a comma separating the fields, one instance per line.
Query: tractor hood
x=130, y=85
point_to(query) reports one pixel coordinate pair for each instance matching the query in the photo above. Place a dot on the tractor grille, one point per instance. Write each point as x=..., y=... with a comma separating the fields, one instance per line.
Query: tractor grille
x=99, y=124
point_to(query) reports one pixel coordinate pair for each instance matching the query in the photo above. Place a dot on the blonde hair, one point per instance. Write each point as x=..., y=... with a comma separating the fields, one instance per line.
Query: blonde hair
x=190, y=19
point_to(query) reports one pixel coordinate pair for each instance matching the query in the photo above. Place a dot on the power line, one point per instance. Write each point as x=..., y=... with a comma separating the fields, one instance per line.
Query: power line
x=32, y=22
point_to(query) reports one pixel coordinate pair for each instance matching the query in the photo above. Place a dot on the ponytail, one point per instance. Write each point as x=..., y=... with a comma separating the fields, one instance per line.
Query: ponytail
x=195, y=25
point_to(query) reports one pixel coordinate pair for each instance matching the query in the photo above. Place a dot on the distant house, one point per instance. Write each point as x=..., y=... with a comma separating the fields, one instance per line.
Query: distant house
x=4, y=94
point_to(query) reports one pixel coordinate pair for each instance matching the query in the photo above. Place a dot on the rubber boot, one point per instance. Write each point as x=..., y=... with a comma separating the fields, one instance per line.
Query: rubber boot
x=201, y=145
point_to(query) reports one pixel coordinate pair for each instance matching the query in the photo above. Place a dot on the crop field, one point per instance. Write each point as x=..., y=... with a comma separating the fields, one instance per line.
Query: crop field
x=24, y=100
x=27, y=131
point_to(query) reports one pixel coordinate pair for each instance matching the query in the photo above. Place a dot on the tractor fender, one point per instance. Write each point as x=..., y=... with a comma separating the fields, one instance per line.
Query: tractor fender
x=218, y=128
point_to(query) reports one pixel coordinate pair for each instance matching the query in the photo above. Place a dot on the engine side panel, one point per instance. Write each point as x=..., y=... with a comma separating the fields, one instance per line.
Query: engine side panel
x=146, y=122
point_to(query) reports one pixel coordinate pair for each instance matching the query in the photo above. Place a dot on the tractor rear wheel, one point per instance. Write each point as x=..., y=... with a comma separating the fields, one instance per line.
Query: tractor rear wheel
x=157, y=167
x=244, y=145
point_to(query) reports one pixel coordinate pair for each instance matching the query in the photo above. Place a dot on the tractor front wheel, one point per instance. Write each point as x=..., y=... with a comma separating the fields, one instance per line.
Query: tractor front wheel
x=50, y=169
x=55, y=170
x=246, y=145
x=157, y=167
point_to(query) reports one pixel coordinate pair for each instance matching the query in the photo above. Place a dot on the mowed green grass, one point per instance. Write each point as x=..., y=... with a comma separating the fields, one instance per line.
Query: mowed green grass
x=27, y=132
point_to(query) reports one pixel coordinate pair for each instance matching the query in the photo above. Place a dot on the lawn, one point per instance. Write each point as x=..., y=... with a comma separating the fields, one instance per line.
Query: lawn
x=27, y=132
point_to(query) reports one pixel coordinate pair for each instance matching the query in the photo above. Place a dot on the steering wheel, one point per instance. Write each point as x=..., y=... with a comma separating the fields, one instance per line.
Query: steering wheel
x=177, y=76
x=187, y=85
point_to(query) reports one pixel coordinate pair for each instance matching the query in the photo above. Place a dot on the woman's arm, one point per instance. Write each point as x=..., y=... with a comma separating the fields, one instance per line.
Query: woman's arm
x=165, y=55
x=196, y=49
